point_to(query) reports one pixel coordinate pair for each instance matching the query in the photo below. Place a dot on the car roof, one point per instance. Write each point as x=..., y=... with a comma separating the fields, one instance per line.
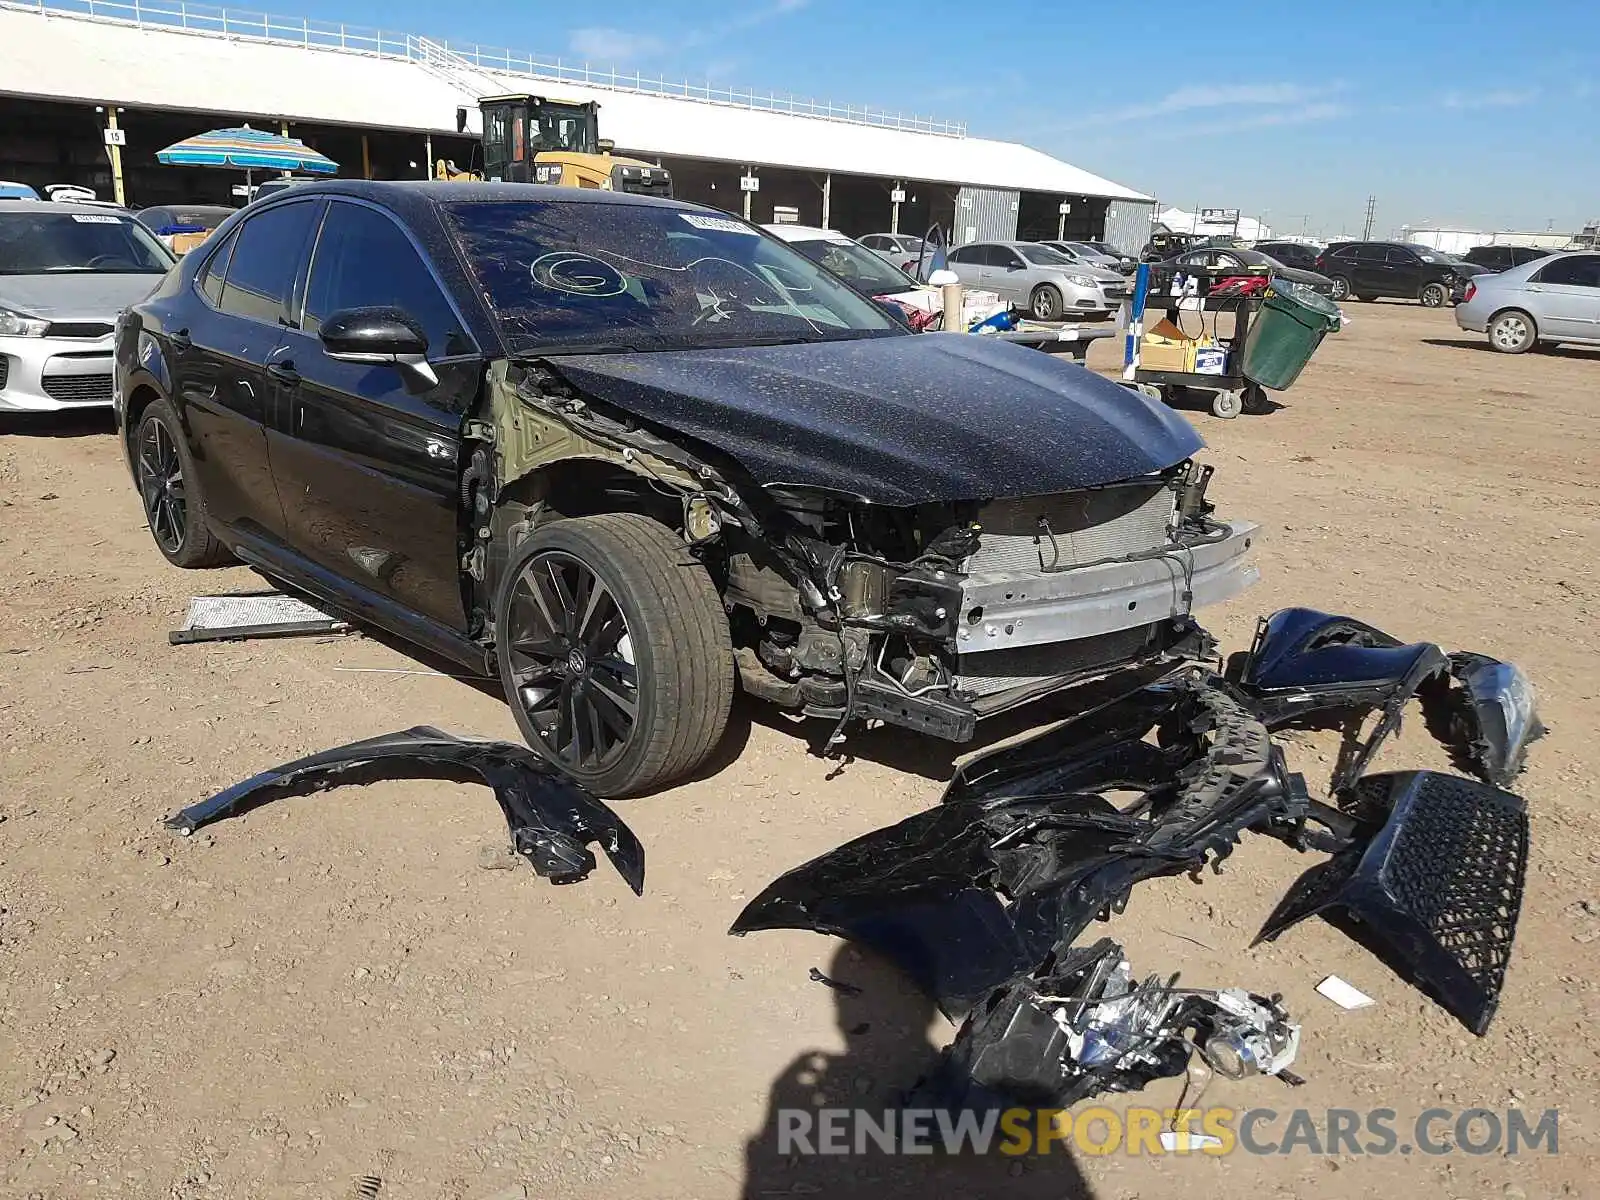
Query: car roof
x=414, y=193
x=62, y=206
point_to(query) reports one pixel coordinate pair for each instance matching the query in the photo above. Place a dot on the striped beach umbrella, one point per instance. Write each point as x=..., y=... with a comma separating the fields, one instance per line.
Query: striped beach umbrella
x=246, y=149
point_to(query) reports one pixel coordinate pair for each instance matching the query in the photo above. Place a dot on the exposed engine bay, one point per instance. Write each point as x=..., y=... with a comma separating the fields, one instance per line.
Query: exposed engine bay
x=982, y=900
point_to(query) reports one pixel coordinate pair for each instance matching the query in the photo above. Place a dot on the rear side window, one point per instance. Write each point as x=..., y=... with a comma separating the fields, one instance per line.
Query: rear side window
x=267, y=253
x=364, y=260
x=216, y=270
x=966, y=254
x=1581, y=270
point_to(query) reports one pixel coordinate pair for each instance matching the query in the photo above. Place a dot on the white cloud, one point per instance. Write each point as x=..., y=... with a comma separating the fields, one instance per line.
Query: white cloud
x=602, y=43
x=1220, y=96
x=608, y=44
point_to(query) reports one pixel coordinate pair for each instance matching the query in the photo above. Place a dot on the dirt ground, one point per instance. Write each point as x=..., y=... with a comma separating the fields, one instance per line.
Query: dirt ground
x=333, y=988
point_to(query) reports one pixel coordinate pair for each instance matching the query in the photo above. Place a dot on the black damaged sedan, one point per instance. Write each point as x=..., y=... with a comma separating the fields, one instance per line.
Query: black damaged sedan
x=626, y=451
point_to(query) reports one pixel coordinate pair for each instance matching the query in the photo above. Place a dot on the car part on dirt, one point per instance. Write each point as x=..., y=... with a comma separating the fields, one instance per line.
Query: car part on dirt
x=1435, y=875
x=241, y=616
x=1087, y=1027
x=980, y=899
x=1027, y=822
x=552, y=820
x=1311, y=669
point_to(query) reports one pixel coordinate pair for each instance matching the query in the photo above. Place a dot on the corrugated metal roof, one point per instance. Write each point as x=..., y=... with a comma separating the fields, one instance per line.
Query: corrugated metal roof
x=54, y=56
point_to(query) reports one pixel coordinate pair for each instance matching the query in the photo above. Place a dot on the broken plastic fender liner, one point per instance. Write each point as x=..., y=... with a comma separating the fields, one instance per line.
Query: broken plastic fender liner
x=552, y=820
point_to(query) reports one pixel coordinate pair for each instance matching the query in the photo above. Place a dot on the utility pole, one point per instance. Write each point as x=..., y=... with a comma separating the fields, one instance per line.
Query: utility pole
x=1372, y=204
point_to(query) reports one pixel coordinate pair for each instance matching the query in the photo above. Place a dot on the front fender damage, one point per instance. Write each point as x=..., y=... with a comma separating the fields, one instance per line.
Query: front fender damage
x=983, y=899
x=552, y=820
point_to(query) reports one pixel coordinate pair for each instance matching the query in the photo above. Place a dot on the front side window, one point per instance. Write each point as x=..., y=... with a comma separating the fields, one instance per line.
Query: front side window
x=364, y=260
x=608, y=275
x=86, y=243
x=1044, y=256
x=266, y=257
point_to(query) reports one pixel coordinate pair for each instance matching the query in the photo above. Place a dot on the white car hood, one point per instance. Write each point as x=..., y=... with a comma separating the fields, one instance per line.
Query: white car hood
x=975, y=305
x=74, y=296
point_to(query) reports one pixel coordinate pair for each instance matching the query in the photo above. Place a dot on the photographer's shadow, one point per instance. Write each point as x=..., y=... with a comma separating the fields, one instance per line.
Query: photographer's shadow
x=884, y=1022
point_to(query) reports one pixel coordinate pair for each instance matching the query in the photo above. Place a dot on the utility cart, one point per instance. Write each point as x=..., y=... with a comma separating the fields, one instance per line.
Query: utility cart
x=1175, y=341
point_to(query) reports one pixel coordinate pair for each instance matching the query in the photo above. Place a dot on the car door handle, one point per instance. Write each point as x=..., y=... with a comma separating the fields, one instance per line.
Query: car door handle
x=180, y=338
x=284, y=373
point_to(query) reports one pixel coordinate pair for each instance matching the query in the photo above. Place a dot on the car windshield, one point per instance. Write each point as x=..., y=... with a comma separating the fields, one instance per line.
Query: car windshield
x=184, y=220
x=87, y=242
x=1103, y=247
x=1044, y=256
x=1429, y=254
x=856, y=265
x=598, y=276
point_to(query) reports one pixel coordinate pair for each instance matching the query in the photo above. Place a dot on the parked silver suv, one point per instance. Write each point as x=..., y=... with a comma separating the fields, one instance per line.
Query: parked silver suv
x=66, y=271
x=1043, y=281
x=1550, y=300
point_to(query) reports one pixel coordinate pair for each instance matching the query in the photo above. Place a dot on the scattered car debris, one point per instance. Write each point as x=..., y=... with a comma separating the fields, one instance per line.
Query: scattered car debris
x=552, y=820
x=981, y=899
x=243, y=615
x=1087, y=1027
x=838, y=985
x=1346, y=995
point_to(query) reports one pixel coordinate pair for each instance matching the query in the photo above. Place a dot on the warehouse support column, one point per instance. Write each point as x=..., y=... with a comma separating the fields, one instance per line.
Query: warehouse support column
x=366, y=158
x=827, y=198
x=283, y=128
x=1061, y=226
x=114, y=141
x=896, y=195
x=744, y=184
x=427, y=157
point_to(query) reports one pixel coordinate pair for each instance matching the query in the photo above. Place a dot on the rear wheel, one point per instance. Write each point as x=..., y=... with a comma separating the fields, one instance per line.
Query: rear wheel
x=1046, y=303
x=169, y=488
x=1227, y=405
x=614, y=652
x=1513, y=332
x=1434, y=295
x=1341, y=287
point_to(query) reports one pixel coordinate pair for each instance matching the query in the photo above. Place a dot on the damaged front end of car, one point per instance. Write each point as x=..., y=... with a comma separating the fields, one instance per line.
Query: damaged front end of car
x=982, y=900
x=930, y=601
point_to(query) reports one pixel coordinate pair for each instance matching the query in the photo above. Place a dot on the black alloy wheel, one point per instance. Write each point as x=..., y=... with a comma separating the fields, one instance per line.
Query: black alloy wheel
x=161, y=486
x=1434, y=295
x=572, y=662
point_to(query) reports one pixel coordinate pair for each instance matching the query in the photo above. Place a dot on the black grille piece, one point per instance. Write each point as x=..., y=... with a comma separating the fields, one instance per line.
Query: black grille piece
x=1439, y=884
x=5, y=369
x=79, y=389
x=78, y=329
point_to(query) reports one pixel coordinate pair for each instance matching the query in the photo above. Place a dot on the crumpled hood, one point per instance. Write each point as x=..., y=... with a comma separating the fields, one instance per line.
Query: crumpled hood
x=898, y=420
x=64, y=295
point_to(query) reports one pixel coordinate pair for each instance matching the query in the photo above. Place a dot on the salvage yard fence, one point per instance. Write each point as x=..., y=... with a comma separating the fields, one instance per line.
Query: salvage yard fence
x=205, y=19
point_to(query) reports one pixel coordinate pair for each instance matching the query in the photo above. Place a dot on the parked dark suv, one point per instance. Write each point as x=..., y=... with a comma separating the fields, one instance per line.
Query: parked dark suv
x=1397, y=270
x=1503, y=258
x=625, y=450
x=1291, y=254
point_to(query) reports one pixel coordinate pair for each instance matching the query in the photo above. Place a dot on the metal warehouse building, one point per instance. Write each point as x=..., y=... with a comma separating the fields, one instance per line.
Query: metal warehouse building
x=385, y=105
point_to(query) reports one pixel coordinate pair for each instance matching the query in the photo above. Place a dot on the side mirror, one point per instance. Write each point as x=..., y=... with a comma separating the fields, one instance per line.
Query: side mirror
x=380, y=336
x=943, y=278
x=894, y=311
x=606, y=145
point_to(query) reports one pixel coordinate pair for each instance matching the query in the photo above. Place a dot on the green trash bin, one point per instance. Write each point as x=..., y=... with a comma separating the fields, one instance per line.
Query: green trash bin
x=1286, y=332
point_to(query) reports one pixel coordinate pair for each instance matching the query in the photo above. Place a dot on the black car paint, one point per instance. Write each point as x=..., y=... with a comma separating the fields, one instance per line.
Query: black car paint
x=339, y=481
x=977, y=897
x=551, y=819
x=897, y=420
x=1290, y=254
x=1390, y=270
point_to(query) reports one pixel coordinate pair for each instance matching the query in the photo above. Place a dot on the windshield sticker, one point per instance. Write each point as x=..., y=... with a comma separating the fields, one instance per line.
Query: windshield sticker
x=577, y=275
x=94, y=219
x=720, y=224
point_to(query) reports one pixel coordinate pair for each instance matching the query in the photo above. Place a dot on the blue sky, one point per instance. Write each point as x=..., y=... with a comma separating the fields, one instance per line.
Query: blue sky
x=1476, y=112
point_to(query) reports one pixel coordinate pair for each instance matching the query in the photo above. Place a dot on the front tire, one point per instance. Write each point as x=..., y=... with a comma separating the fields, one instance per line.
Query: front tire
x=1513, y=332
x=1434, y=295
x=614, y=652
x=1341, y=287
x=1226, y=405
x=1046, y=303
x=169, y=489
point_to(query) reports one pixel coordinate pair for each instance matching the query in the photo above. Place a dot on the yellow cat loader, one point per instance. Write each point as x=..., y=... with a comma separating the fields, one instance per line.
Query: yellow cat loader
x=529, y=139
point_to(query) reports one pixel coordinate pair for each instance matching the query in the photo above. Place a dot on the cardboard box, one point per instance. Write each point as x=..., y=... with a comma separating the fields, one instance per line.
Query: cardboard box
x=1164, y=347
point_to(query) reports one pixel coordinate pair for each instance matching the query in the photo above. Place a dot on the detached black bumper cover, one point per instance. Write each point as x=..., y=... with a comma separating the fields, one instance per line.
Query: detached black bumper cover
x=552, y=820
